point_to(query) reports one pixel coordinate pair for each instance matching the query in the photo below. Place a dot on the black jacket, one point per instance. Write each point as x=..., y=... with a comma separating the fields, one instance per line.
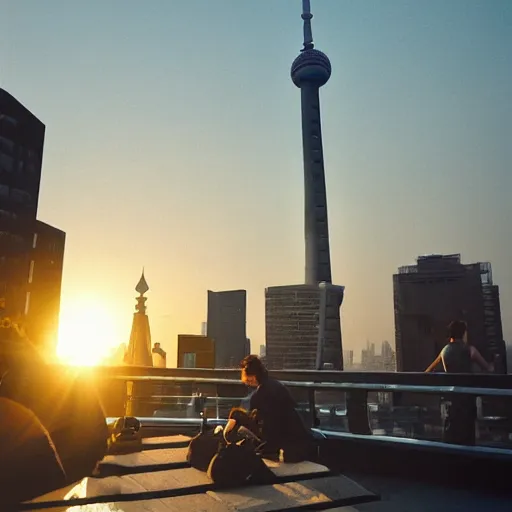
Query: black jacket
x=281, y=424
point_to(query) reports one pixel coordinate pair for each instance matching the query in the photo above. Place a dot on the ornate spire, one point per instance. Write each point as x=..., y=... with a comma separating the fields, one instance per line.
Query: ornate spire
x=142, y=286
x=306, y=16
x=139, y=348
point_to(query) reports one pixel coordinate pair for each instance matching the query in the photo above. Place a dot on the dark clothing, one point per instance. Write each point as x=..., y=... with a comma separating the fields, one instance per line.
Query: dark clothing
x=459, y=418
x=459, y=410
x=456, y=357
x=281, y=425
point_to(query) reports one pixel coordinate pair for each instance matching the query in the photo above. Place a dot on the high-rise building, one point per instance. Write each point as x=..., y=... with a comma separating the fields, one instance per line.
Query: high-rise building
x=195, y=351
x=21, y=157
x=44, y=286
x=226, y=326
x=303, y=321
x=31, y=252
x=203, y=328
x=436, y=291
x=302, y=327
x=388, y=357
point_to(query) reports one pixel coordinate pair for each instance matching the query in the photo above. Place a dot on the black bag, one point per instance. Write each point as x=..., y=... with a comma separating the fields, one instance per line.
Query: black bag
x=238, y=464
x=203, y=448
x=125, y=436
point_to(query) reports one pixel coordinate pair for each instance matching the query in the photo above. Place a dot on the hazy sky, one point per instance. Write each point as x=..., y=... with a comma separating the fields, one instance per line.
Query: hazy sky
x=173, y=141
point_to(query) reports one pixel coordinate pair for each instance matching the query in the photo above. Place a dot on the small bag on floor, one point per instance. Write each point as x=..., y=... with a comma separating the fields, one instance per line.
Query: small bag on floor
x=204, y=447
x=238, y=464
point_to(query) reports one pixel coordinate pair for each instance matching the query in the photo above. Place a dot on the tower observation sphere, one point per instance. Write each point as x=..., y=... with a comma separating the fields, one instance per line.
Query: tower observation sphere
x=311, y=67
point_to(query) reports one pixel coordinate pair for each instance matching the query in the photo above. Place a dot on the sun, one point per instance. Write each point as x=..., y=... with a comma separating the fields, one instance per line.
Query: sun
x=87, y=333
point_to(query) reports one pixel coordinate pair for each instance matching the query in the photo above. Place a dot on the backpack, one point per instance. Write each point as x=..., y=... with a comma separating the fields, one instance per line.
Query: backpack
x=230, y=458
x=204, y=447
x=238, y=464
x=125, y=436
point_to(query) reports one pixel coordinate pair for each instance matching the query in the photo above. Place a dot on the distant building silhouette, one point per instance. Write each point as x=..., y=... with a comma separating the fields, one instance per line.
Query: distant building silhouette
x=195, y=351
x=159, y=356
x=432, y=293
x=203, y=328
x=348, y=359
x=117, y=356
x=139, y=349
x=388, y=357
x=303, y=327
x=31, y=252
x=373, y=362
x=226, y=326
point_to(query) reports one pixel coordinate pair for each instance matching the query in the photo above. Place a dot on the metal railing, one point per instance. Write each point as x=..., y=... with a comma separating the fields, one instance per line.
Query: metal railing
x=353, y=407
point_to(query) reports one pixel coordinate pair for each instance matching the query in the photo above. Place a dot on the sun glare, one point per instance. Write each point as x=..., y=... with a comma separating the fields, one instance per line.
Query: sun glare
x=87, y=333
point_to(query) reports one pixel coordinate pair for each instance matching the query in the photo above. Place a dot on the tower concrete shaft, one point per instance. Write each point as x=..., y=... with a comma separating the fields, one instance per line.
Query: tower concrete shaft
x=318, y=259
x=310, y=70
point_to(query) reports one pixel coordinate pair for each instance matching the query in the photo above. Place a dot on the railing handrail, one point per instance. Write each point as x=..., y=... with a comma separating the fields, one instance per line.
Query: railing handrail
x=329, y=386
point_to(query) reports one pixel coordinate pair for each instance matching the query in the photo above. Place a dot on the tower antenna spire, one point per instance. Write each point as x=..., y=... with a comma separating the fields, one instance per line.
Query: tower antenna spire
x=306, y=16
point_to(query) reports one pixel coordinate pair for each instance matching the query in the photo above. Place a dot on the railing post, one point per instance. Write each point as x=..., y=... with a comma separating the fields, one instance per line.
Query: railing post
x=128, y=408
x=458, y=414
x=315, y=422
x=357, y=412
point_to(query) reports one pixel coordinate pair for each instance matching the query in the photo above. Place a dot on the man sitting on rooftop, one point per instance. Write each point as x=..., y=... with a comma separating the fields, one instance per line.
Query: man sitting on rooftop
x=281, y=426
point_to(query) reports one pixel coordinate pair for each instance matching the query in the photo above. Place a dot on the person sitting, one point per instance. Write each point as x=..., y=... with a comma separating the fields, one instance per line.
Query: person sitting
x=280, y=424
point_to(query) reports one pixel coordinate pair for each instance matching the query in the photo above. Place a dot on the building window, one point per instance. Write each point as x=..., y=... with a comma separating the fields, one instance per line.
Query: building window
x=34, y=241
x=31, y=271
x=189, y=360
x=27, y=303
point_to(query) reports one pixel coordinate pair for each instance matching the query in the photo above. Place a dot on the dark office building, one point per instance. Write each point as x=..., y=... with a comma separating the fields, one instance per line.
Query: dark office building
x=226, y=326
x=31, y=252
x=44, y=286
x=439, y=289
x=21, y=156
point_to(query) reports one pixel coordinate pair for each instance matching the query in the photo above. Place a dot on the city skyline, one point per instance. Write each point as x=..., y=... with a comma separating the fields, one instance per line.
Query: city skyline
x=165, y=152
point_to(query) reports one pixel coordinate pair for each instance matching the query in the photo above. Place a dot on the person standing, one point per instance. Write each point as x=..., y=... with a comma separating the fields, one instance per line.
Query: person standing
x=459, y=412
x=457, y=356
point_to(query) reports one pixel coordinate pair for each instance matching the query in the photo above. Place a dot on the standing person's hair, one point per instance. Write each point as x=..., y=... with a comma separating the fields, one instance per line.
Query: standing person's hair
x=254, y=367
x=457, y=329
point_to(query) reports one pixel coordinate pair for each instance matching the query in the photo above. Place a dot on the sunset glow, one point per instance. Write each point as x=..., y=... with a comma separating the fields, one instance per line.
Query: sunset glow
x=87, y=333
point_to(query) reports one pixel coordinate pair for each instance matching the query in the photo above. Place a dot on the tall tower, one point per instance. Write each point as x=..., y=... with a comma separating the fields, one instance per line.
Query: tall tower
x=310, y=70
x=303, y=329
x=139, y=348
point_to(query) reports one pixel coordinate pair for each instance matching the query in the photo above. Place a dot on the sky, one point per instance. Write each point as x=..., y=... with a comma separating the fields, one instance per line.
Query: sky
x=173, y=143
